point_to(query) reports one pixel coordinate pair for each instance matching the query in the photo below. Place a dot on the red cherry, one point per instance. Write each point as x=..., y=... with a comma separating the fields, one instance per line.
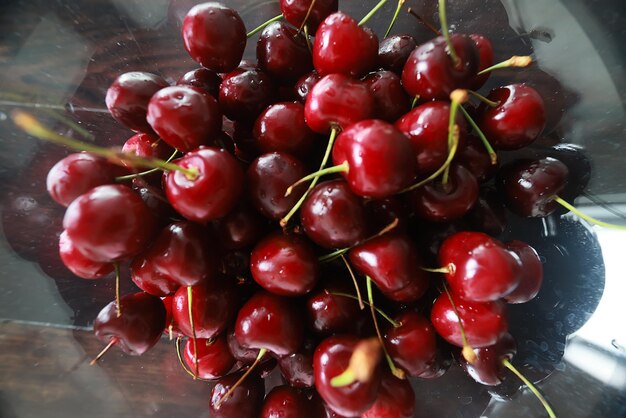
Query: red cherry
x=109, y=223
x=390, y=99
x=127, y=98
x=245, y=401
x=215, y=36
x=245, y=93
x=484, y=322
x=78, y=264
x=171, y=329
x=283, y=53
x=285, y=402
x=202, y=78
x=214, y=358
x=395, y=399
x=394, y=51
x=242, y=227
x=281, y=127
x=531, y=272
x=144, y=145
x=297, y=12
x=284, y=264
x=213, y=193
x=488, y=368
x=485, y=53
x=145, y=275
x=328, y=313
x=139, y=326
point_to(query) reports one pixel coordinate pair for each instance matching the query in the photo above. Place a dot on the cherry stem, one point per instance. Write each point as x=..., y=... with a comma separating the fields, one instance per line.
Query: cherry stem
x=145, y=173
x=423, y=22
x=370, y=297
x=467, y=351
x=445, y=270
x=457, y=97
x=395, y=324
x=532, y=387
x=483, y=99
x=356, y=285
x=170, y=331
x=264, y=25
x=587, y=217
x=307, y=40
x=395, y=17
x=262, y=352
x=514, y=61
x=372, y=12
x=182, y=362
x=193, y=332
x=341, y=168
x=118, y=306
x=111, y=343
x=492, y=154
x=415, y=99
x=446, y=34
x=71, y=124
x=329, y=147
x=306, y=17
x=363, y=362
x=31, y=126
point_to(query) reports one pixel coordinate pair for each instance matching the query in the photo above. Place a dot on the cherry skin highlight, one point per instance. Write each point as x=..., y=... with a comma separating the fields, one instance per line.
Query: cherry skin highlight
x=78, y=264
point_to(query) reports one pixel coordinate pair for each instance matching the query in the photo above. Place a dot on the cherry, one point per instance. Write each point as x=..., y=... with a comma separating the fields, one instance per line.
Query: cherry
x=531, y=273
x=333, y=217
x=485, y=53
x=285, y=402
x=127, y=98
x=203, y=79
x=307, y=12
x=528, y=187
x=137, y=329
x=480, y=268
x=427, y=127
x=283, y=53
x=488, y=368
x=342, y=46
x=214, y=358
x=328, y=312
x=109, y=223
x=213, y=192
x=184, y=117
x=331, y=359
x=144, y=145
x=484, y=322
x=77, y=174
x=516, y=121
x=473, y=156
x=245, y=400
x=270, y=322
x=284, y=264
x=245, y=93
x=214, y=36
x=305, y=84
x=281, y=127
x=390, y=99
x=297, y=368
x=145, y=275
x=413, y=344
x=171, y=329
x=269, y=176
x=395, y=399
x=213, y=305
x=392, y=261
x=443, y=203
x=242, y=227
x=78, y=264
x=394, y=51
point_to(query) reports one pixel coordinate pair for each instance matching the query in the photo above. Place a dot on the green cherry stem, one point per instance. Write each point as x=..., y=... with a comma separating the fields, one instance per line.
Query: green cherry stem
x=492, y=154
x=264, y=25
x=467, y=352
x=514, y=61
x=532, y=387
x=118, y=306
x=362, y=366
x=415, y=100
x=193, y=332
x=457, y=97
x=587, y=217
x=356, y=284
x=258, y=359
x=395, y=17
x=446, y=33
x=483, y=98
x=145, y=173
x=393, y=323
x=341, y=168
x=444, y=270
x=372, y=12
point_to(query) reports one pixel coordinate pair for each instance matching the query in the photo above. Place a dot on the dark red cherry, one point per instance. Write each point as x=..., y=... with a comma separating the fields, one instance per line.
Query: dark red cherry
x=241, y=228
x=379, y=158
x=214, y=358
x=395, y=399
x=127, y=98
x=331, y=358
x=517, y=120
x=528, y=187
x=245, y=93
x=184, y=117
x=337, y=100
x=305, y=84
x=109, y=223
x=78, y=264
x=394, y=51
x=427, y=127
x=480, y=268
x=214, y=305
x=284, y=264
x=202, y=78
x=77, y=174
x=333, y=216
x=430, y=72
x=243, y=355
x=328, y=313
x=413, y=344
x=213, y=193
x=473, y=156
x=393, y=262
x=139, y=326
x=443, y=203
x=390, y=99
x=382, y=212
x=531, y=272
x=281, y=127
x=245, y=401
x=146, y=277
x=215, y=36
x=271, y=322
x=283, y=53
x=147, y=146
x=297, y=368
x=342, y=46
x=488, y=368
x=286, y=402
x=297, y=12
x=484, y=322
x=485, y=53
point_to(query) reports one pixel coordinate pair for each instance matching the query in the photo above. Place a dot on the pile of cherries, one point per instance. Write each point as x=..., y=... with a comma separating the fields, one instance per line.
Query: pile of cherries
x=252, y=263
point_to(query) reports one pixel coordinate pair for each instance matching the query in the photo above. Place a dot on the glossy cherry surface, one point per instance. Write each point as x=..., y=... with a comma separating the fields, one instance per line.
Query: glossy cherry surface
x=305, y=84
x=394, y=51
x=202, y=78
x=390, y=99
x=297, y=12
x=78, y=264
x=286, y=402
x=144, y=274
x=395, y=399
x=242, y=227
x=245, y=93
x=281, y=127
x=531, y=273
x=214, y=358
x=244, y=402
x=297, y=368
x=488, y=368
x=283, y=53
